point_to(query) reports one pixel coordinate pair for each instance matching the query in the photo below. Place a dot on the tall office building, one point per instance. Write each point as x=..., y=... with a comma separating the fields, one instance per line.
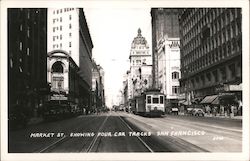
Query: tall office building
x=27, y=57
x=70, y=46
x=166, y=53
x=63, y=31
x=211, y=51
x=164, y=23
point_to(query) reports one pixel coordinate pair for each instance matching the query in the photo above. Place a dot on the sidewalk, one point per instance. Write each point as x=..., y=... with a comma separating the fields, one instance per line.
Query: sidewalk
x=35, y=120
x=228, y=117
x=218, y=116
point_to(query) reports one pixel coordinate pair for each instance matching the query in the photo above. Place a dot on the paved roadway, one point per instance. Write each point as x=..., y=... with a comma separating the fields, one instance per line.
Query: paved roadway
x=124, y=132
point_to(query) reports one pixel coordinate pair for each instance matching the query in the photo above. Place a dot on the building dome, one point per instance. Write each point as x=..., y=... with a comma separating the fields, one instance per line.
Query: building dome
x=139, y=40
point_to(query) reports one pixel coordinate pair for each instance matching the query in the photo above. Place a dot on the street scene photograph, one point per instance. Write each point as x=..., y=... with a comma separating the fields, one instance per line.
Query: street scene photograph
x=125, y=80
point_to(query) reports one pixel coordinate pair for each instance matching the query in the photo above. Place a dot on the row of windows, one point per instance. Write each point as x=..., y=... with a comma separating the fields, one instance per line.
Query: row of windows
x=56, y=45
x=27, y=31
x=62, y=10
x=232, y=45
x=194, y=61
x=155, y=100
x=57, y=28
x=61, y=37
x=20, y=59
x=209, y=35
x=140, y=52
x=139, y=62
x=195, y=37
x=61, y=19
x=21, y=48
x=223, y=73
x=206, y=16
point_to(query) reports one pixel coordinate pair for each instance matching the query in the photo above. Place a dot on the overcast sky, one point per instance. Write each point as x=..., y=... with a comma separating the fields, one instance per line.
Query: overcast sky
x=112, y=31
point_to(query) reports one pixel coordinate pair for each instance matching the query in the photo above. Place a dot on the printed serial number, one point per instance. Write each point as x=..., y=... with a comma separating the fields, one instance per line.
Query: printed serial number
x=218, y=138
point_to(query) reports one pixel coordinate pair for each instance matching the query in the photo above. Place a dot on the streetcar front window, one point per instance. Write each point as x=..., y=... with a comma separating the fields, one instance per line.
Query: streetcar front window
x=148, y=99
x=155, y=100
x=161, y=99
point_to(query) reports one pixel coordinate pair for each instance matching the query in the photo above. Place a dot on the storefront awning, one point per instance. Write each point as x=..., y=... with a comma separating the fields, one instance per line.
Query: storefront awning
x=209, y=99
x=216, y=101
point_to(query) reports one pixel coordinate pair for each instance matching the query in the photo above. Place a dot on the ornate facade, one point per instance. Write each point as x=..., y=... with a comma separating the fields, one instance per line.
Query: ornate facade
x=140, y=66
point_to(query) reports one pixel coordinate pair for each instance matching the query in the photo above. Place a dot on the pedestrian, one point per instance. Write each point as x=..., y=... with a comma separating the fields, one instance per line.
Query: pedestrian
x=232, y=110
x=208, y=110
x=239, y=108
x=228, y=110
x=215, y=110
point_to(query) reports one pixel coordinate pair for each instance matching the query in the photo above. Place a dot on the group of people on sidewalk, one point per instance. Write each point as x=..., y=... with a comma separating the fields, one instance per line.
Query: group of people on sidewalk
x=217, y=110
x=230, y=110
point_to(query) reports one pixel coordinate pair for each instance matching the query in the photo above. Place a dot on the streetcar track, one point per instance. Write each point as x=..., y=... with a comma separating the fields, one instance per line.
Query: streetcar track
x=143, y=142
x=53, y=144
x=202, y=124
x=204, y=128
x=58, y=142
x=198, y=126
x=89, y=149
x=183, y=144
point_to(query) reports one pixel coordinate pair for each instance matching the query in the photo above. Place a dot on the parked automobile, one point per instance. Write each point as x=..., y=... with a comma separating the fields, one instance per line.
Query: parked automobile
x=174, y=110
x=189, y=111
x=198, y=112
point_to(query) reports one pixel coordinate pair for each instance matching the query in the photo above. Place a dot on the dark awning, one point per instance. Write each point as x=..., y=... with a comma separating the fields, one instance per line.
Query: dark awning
x=209, y=99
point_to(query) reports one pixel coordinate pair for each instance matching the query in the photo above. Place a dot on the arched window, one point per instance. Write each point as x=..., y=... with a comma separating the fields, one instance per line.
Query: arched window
x=175, y=75
x=57, y=67
x=57, y=76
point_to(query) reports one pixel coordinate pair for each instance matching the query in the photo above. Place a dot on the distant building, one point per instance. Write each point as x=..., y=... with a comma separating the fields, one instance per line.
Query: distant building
x=68, y=32
x=140, y=65
x=98, y=95
x=102, y=87
x=129, y=84
x=211, y=51
x=164, y=23
x=27, y=55
x=125, y=90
